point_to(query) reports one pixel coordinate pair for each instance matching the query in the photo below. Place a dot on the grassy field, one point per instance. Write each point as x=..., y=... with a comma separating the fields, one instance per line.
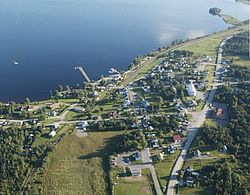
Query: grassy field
x=134, y=185
x=45, y=139
x=197, y=165
x=140, y=71
x=208, y=45
x=211, y=70
x=229, y=19
x=79, y=165
x=240, y=60
x=163, y=168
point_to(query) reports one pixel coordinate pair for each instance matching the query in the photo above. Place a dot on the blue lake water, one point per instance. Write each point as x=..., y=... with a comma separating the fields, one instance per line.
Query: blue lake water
x=49, y=37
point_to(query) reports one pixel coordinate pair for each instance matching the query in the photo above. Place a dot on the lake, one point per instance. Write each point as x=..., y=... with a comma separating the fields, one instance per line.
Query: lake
x=49, y=37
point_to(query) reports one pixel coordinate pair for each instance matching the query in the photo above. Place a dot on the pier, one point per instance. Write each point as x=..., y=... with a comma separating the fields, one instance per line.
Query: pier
x=83, y=73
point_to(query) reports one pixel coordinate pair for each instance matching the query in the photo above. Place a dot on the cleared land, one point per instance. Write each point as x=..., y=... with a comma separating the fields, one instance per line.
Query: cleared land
x=78, y=165
x=208, y=45
x=134, y=185
x=229, y=19
x=240, y=60
x=163, y=168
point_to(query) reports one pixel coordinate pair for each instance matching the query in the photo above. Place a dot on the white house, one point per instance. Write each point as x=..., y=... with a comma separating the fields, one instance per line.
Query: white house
x=191, y=89
x=52, y=133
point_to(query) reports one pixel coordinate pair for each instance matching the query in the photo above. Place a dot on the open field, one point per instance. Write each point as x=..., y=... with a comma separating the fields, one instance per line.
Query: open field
x=240, y=60
x=163, y=168
x=79, y=165
x=211, y=70
x=229, y=19
x=208, y=45
x=140, y=71
x=134, y=185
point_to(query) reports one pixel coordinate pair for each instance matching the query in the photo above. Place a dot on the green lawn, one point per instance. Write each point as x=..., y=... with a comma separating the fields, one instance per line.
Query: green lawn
x=44, y=138
x=193, y=191
x=71, y=101
x=140, y=71
x=208, y=45
x=72, y=115
x=200, y=106
x=133, y=185
x=240, y=60
x=211, y=69
x=229, y=19
x=79, y=165
x=164, y=168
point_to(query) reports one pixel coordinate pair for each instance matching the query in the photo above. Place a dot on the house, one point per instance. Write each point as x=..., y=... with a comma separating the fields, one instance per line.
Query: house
x=197, y=153
x=53, y=113
x=146, y=89
x=171, y=149
x=83, y=124
x=219, y=112
x=52, y=133
x=154, y=143
x=113, y=114
x=127, y=103
x=144, y=103
x=177, y=139
x=136, y=156
x=78, y=109
x=150, y=128
x=135, y=171
x=224, y=149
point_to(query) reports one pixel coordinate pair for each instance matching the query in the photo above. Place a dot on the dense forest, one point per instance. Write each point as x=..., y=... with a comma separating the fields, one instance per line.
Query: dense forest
x=230, y=178
x=18, y=157
x=238, y=44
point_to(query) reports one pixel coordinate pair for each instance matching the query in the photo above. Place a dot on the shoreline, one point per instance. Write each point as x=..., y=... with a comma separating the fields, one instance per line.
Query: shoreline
x=146, y=58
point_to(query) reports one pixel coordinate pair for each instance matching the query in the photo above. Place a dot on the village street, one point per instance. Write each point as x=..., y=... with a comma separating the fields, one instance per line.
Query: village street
x=198, y=120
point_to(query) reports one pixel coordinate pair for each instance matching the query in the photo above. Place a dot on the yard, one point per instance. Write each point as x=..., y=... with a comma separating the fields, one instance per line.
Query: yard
x=211, y=70
x=133, y=185
x=240, y=60
x=163, y=168
x=80, y=165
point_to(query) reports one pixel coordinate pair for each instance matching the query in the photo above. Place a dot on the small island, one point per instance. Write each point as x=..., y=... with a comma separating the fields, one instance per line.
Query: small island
x=215, y=11
x=227, y=18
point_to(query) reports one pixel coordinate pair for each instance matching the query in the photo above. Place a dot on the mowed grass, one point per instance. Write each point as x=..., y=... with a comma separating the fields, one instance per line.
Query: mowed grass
x=140, y=71
x=208, y=45
x=239, y=60
x=164, y=168
x=77, y=165
x=211, y=69
x=134, y=185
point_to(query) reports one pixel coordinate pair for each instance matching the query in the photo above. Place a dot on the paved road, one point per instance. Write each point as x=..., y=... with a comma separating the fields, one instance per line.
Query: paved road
x=220, y=50
x=198, y=120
